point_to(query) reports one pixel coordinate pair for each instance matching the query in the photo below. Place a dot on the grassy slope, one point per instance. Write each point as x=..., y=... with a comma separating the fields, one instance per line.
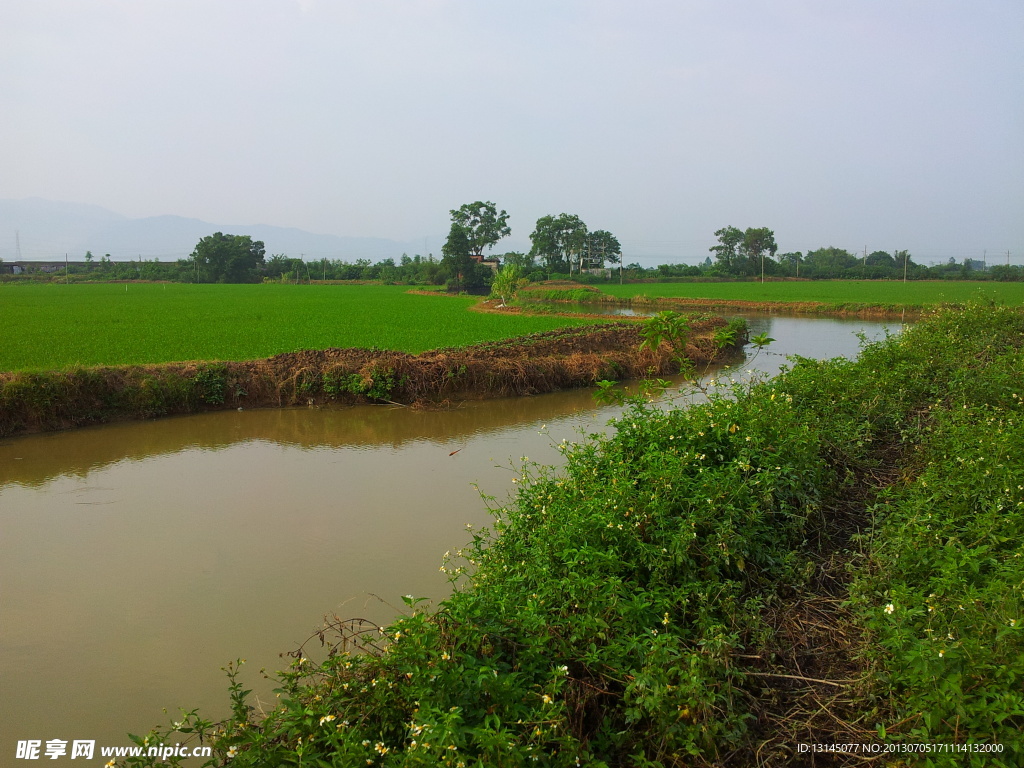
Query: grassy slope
x=913, y=293
x=622, y=614
x=61, y=326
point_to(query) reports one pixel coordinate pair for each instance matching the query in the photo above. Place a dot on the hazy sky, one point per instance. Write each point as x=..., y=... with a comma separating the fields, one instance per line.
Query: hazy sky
x=890, y=124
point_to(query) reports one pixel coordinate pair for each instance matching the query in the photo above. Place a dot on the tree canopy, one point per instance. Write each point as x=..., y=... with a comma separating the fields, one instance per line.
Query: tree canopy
x=560, y=242
x=745, y=252
x=483, y=225
x=603, y=246
x=464, y=273
x=220, y=258
x=727, y=250
x=756, y=243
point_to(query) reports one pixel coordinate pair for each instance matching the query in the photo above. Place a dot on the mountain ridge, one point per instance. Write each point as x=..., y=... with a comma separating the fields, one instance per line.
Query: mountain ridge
x=45, y=230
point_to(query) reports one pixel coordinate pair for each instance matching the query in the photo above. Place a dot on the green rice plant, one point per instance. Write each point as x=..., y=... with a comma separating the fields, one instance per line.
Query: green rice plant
x=893, y=294
x=65, y=326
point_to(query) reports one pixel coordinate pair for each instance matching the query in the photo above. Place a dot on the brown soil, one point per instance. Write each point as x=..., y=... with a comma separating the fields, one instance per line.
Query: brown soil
x=561, y=359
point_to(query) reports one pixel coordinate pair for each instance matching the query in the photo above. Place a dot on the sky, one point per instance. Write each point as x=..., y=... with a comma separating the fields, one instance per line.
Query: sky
x=889, y=124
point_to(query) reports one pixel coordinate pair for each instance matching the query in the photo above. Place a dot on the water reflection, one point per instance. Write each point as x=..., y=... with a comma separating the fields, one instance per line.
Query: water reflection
x=37, y=459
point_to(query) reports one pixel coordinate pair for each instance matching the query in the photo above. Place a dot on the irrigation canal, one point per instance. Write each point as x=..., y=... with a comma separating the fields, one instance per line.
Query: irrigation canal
x=139, y=558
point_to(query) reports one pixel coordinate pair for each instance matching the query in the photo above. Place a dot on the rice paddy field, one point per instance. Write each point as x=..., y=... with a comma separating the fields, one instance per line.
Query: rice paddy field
x=918, y=293
x=54, y=326
x=48, y=327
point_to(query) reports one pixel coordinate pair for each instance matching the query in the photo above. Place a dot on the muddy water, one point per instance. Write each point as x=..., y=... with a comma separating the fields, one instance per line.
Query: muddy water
x=138, y=559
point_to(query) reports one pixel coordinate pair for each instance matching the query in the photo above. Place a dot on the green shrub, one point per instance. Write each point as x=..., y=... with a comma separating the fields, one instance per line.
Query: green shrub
x=210, y=382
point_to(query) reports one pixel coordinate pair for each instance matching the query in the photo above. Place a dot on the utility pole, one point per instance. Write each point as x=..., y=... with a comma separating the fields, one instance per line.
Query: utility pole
x=906, y=258
x=864, y=264
x=1007, y=258
x=66, y=278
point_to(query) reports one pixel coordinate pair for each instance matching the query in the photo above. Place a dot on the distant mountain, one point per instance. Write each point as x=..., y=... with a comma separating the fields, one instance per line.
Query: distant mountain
x=46, y=230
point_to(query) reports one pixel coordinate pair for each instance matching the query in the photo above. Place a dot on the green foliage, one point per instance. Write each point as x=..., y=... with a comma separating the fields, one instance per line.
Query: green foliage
x=507, y=283
x=465, y=273
x=483, y=225
x=457, y=257
x=574, y=295
x=560, y=242
x=670, y=327
x=210, y=383
x=943, y=593
x=602, y=246
x=726, y=337
x=220, y=258
x=740, y=253
x=379, y=384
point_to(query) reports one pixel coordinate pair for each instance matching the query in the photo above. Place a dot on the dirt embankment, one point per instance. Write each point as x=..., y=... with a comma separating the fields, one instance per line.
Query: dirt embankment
x=543, y=362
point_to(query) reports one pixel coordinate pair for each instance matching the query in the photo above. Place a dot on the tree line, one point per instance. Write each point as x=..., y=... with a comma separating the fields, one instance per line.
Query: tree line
x=562, y=246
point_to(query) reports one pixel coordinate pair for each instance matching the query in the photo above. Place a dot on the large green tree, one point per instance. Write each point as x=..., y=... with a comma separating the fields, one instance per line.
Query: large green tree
x=757, y=243
x=524, y=261
x=745, y=252
x=560, y=241
x=483, y=225
x=727, y=252
x=220, y=258
x=464, y=273
x=456, y=255
x=792, y=261
x=602, y=246
x=829, y=262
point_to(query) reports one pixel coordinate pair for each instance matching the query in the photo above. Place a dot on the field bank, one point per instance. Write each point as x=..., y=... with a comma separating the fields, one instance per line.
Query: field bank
x=543, y=362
